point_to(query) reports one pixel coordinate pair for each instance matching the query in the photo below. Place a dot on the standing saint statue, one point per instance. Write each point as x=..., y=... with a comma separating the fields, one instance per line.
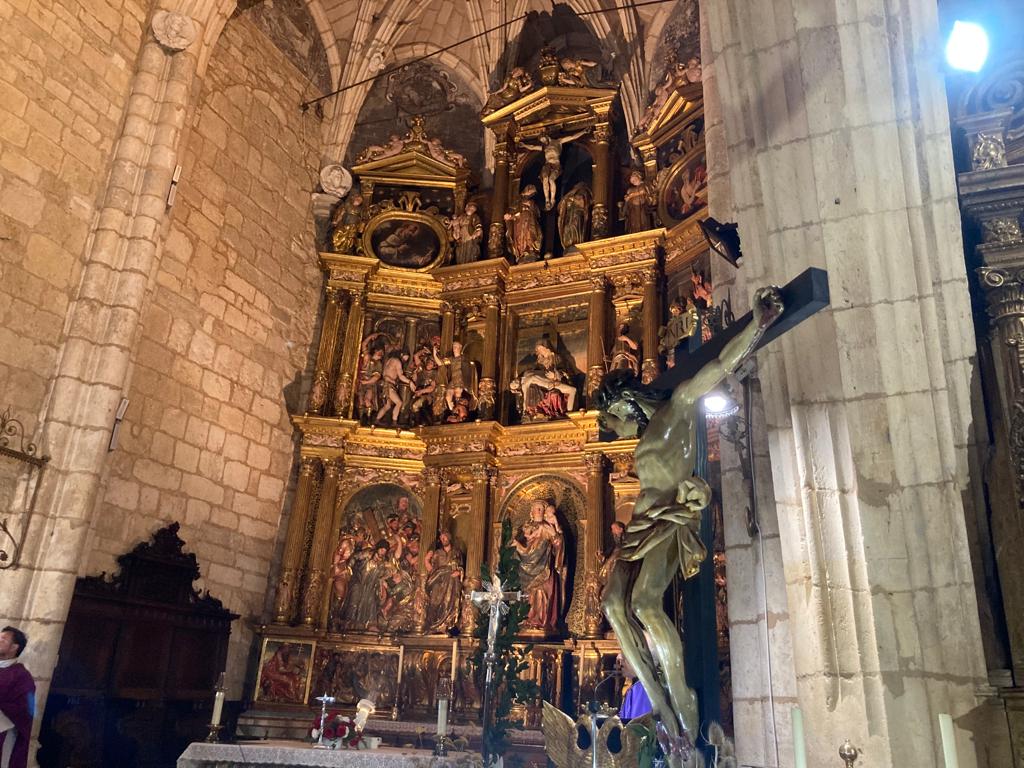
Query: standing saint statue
x=540, y=545
x=663, y=536
x=444, y=585
x=552, y=149
x=522, y=227
x=467, y=232
x=574, y=215
x=637, y=205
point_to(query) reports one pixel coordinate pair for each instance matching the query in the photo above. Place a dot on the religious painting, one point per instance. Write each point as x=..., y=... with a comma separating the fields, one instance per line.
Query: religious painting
x=551, y=361
x=375, y=561
x=351, y=675
x=284, y=671
x=406, y=239
x=544, y=512
x=684, y=190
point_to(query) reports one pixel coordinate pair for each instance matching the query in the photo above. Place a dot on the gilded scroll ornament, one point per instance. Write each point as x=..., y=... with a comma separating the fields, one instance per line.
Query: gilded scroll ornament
x=1002, y=230
x=989, y=152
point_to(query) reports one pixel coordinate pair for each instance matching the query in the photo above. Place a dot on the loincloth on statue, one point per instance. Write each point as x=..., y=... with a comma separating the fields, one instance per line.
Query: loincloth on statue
x=658, y=523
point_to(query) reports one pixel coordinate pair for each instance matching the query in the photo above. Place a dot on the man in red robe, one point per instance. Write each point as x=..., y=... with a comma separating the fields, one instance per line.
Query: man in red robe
x=17, y=700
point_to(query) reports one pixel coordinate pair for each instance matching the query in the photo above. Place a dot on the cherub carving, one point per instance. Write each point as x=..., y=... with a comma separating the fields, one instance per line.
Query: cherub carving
x=574, y=72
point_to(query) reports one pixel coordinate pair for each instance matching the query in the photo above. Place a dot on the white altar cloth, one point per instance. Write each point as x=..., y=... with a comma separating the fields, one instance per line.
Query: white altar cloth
x=284, y=754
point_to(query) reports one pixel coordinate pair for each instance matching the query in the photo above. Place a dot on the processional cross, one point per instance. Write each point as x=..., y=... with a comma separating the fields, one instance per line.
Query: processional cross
x=495, y=600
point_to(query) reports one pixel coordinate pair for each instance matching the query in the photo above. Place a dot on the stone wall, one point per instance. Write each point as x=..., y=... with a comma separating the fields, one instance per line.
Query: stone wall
x=65, y=70
x=227, y=327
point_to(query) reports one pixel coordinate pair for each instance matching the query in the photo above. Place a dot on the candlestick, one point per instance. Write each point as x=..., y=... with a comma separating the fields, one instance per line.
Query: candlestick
x=218, y=710
x=444, y=693
x=401, y=658
x=948, y=741
x=799, y=747
x=455, y=657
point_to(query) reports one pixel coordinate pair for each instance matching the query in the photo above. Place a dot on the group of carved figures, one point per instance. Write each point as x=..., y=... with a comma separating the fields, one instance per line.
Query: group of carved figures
x=397, y=387
x=375, y=582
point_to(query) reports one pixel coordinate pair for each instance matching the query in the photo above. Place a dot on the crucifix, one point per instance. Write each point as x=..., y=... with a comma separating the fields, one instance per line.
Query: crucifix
x=663, y=538
x=495, y=600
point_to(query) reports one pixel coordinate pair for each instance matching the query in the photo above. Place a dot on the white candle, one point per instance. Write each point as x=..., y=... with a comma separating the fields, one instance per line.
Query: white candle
x=401, y=658
x=948, y=741
x=455, y=657
x=799, y=748
x=442, y=717
x=218, y=708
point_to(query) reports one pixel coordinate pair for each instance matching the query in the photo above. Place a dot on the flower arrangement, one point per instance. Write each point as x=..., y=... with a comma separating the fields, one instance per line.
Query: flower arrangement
x=339, y=730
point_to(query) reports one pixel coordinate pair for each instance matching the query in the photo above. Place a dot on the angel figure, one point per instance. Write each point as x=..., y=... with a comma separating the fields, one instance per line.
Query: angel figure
x=574, y=71
x=551, y=146
x=518, y=83
x=376, y=151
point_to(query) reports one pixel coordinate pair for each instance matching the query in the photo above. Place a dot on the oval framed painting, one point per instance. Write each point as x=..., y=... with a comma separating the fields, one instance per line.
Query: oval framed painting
x=685, y=191
x=406, y=239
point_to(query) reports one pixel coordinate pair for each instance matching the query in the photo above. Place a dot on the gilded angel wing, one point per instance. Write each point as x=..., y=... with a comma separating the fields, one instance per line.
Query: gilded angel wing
x=559, y=737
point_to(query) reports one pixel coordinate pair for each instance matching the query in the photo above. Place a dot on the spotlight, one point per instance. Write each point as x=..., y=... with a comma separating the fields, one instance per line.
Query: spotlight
x=723, y=239
x=718, y=405
x=967, y=47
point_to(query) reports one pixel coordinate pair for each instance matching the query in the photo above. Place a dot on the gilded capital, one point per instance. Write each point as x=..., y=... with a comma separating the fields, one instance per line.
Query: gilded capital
x=482, y=474
x=598, y=283
x=602, y=132
x=432, y=476
x=309, y=466
x=595, y=462
x=333, y=468
x=1004, y=292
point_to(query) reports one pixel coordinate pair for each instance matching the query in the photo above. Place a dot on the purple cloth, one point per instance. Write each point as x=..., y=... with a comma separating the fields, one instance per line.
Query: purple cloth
x=636, y=703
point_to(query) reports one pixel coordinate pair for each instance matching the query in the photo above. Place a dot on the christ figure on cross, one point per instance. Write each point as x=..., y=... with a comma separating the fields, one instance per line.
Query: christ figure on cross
x=663, y=536
x=552, y=169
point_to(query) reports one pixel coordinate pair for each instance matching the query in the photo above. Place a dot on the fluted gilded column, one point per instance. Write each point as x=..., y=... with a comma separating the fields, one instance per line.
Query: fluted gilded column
x=480, y=495
x=334, y=316
x=593, y=541
x=410, y=335
x=291, y=560
x=602, y=181
x=343, y=399
x=499, y=197
x=489, y=363
x=320, y=550
x=651, y=320
x=428, y=537
x=598, y=320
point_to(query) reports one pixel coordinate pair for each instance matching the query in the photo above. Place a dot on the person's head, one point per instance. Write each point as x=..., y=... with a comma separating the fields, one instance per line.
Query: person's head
x=676, y=308
x=623, y=663
x=470, y=208
x=537, y=511
x=403, y=504
x=12, y=643
x=549, y=514
x=625, y=397
x=382, y=549
x=445, y=538
x=617, y=529
x=413, y=547
x=378, y=353
x=393, y=523
x=356, y=198
x=636, y=178
x=457, y=348
x=529, y=190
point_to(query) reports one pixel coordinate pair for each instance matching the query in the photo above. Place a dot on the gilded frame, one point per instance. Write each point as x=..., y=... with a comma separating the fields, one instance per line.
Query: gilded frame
x=433, y=223
x=257, y=693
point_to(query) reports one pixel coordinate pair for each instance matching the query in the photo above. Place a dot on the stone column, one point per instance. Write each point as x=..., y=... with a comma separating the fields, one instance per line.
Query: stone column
x=651, y=320
x=499, y=197
x=481, y=500
x=319, y=565
x=93, y=371
x=868, y=403
x=596, y=344
x=428, y=536
x=410, y=335
x=291, y=560
x=489, y=363
x=599, y=226
x=593, y=539
x=345, y=377
x=334, y=316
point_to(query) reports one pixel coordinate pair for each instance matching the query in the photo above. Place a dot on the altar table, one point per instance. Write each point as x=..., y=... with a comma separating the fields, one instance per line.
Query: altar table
x=290, y=754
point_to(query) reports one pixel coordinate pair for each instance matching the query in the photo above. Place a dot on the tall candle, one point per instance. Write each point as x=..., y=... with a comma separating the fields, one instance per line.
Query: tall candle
x=442, y=717
x=948, y=741
x=799, y=747
x=455, y=657
x=401, y=658
x=218, y=707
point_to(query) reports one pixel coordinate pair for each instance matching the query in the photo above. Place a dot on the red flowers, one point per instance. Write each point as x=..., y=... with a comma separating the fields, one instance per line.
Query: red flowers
x=337, y=727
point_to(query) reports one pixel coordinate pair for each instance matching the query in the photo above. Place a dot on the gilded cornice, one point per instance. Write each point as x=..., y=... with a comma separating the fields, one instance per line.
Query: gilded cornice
x=346, y=271
x=685, y=243
x=535, y=105
x=415, y=289
x=489, y=275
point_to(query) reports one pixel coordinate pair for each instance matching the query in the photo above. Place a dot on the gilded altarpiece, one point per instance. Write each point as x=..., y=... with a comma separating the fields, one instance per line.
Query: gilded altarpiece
x=453, y=389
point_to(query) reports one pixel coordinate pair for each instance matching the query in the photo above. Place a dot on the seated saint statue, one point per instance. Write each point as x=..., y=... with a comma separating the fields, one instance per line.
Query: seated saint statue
x=545, y=388
x=663, y=536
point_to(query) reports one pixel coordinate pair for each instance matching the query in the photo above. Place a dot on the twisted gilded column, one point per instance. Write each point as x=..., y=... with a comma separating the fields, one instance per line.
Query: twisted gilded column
x=592, y=542
x=320, y=550
x=651, y=320
x=291, y=561
x=350, y=355
x=489, y=363
x=499, y=197
x=428, y=536
x=596, y=343
x=334, y=316
x=480, y=495
x=602, y=181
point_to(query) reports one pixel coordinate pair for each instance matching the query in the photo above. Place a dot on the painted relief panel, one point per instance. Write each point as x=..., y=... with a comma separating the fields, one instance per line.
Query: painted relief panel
x=550, y=364
x=284, y=671
x=684, y=191
x=397, y=381
x=544, y=512
x=351, y=675
x=375, y=561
